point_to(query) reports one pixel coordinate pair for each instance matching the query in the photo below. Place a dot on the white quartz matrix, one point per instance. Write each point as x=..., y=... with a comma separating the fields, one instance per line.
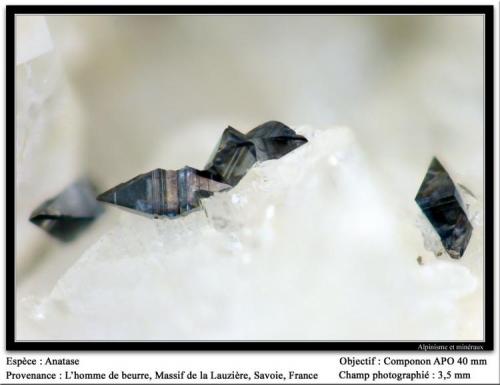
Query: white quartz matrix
x=306, y=247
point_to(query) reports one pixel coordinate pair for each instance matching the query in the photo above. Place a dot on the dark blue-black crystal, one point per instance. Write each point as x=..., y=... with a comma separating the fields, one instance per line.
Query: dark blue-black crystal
x=236, y=153
x=172, y=193
x=440, y=201
x=168, y=193
x=68, y=213
x=232, y=157
x=271, y=129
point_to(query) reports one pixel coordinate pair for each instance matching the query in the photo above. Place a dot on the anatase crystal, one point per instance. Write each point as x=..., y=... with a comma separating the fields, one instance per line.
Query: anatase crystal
x=164, y=192
x=236, y=153
x=440, y=201
x=68, y=213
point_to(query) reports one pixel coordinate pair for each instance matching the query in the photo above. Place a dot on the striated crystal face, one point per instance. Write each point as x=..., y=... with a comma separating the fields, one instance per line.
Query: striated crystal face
x=65, y=215
x=442, y=204
x=232, y=157
x=236, y=152
x=164, y=192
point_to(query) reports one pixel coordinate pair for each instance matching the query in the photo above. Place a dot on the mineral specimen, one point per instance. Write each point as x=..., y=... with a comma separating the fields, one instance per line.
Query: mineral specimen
x=65, y=215
x=287, y=254
x=236, y=152
x=164, y=192
x=440, y=201
x=171, y=193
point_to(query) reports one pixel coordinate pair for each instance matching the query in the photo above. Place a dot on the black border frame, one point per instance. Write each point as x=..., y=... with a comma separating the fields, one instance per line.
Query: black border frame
x=489, y=137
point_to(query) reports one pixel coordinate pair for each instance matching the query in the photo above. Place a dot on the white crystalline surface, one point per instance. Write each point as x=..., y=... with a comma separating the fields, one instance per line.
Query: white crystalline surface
x=306, y=247
x=48, y=134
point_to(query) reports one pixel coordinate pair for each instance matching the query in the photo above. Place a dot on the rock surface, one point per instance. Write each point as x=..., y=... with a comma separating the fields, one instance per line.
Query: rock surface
x=298, y=242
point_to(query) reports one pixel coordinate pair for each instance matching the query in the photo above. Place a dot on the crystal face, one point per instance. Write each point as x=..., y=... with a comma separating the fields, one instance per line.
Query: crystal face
x=440, y=201
x=164, y=192
x=65, y=215
x=236, y=152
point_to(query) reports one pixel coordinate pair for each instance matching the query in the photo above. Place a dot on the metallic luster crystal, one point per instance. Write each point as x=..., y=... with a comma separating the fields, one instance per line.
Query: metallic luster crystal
x=68, y=213
x=161, y=192
x=236, y=153
x=440, y=201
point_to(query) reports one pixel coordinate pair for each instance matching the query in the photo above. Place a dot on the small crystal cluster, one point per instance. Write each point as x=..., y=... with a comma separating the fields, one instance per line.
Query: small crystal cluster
x=440, y=201
x=236, y=152
x=296, y=249
x=172, y=193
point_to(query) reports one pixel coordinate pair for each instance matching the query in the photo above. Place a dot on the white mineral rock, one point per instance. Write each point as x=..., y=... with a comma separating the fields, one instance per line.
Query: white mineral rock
x=308, y=246
x=48, y=135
